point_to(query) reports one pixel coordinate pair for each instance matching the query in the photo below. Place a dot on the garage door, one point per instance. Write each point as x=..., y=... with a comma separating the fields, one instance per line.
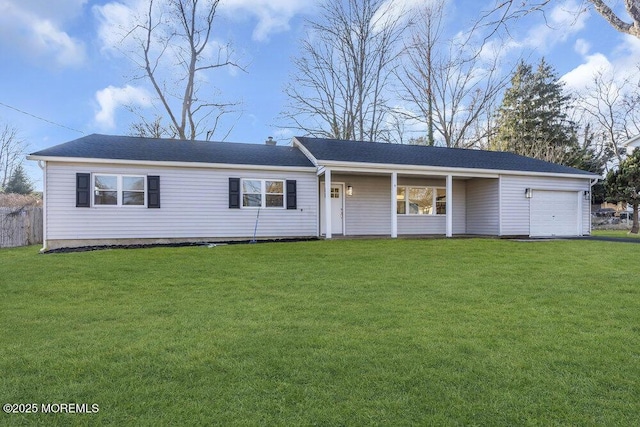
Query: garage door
x=554, y=213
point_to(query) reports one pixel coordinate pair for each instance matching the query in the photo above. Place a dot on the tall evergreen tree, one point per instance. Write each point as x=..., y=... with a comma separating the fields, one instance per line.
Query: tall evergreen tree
x=19, y=182
x=533, y=118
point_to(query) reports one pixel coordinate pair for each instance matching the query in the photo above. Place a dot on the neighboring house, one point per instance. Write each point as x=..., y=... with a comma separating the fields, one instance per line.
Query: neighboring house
x=113, y=190
x=632, y=143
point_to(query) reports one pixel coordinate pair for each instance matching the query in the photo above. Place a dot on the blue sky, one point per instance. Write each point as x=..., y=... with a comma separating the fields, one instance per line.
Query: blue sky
x=59, y=62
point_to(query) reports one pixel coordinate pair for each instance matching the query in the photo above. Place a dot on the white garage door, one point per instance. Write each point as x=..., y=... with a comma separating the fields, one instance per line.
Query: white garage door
x=554, y=213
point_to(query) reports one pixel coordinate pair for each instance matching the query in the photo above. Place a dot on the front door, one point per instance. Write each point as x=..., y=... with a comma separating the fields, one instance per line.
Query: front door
x=337, y=209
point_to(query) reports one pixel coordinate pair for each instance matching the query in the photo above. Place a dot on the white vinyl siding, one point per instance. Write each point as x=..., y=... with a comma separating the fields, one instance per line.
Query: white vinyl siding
x=482, y=206
x=367, y=211
x=515, y=207
x=195, y=204
x=422, y=224
x=459, y=206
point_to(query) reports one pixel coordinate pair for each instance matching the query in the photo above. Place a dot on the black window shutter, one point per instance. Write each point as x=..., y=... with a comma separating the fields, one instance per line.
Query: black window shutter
x=234, y=193
x=83, y=190
x=153, y=191
x=292, y=198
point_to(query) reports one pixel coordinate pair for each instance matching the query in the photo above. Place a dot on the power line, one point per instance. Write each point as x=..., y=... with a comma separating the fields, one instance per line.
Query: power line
x=40, y=118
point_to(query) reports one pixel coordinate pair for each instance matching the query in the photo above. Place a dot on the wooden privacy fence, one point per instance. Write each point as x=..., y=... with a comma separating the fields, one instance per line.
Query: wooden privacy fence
x=20, y=226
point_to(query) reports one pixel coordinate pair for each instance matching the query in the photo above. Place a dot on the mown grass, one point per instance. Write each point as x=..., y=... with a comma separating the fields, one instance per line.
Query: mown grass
x=383, y=332
x=614, y=233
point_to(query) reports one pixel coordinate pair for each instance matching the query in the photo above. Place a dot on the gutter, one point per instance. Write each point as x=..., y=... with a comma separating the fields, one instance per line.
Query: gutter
x=631, y=140
x=591, y=184
x=442, y=170
x=92, y=160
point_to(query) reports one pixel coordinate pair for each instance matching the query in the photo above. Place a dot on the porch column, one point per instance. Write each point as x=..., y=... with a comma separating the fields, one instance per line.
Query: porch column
x=449, y=197
x=394, y=210
x=327, y=203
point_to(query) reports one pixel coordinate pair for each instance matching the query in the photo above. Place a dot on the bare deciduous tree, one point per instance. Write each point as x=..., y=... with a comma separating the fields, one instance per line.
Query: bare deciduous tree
x=451, y=84
x=611, y=106
x=12, y=149
x=175, y=49
x=508, y=10
x=151, y=129
x=419, y=74
x=633, y=10
x=344, y=69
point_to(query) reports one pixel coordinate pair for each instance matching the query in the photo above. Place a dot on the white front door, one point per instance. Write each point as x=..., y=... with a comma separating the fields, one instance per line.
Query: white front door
x=337, y=209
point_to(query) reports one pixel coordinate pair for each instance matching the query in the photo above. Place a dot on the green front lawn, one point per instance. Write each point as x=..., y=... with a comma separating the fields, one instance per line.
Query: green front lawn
x=384, y=332
x=614, y=233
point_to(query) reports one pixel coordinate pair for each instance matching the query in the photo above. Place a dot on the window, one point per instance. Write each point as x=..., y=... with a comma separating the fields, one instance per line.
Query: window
x=274, y=194
x=119, y=190
x=262, y=193
x=133, y=190
x=252, y=193
x=441, y=201
x=106, y=190
x=421, y=201
x=402, y=201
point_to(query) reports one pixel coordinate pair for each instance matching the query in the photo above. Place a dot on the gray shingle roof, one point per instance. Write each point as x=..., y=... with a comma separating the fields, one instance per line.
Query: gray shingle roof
x=166, y=150
x=152, y=149
x=413, y=155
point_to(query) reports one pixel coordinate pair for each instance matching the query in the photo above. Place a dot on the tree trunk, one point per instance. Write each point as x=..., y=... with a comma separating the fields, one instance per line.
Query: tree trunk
x=634, y=227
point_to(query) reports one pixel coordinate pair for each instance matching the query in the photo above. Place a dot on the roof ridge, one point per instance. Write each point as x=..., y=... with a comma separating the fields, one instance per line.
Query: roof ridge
x=324, y=149
x=133, y=148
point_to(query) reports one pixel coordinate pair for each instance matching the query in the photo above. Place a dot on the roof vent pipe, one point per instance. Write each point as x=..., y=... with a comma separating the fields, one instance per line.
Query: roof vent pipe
x=270, y=141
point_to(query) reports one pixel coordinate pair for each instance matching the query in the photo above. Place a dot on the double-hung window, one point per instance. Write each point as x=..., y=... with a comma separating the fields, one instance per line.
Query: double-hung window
x=119, y=190
x=133, y=190
x=105, y=190
x=421, y=201
x=262, y=193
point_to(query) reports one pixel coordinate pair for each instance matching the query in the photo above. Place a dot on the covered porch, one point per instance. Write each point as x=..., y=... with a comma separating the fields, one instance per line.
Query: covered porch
x=393, y=203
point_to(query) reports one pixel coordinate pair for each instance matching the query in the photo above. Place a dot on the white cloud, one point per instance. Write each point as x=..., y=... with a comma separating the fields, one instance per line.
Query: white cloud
x=392, y=10
x=627, y=53
x=111, y=98
x=621, y=62
x=64, y=10
x=582, y=47
x=272, y=16
x=119, y=34
x=581, y=77
x=118, y=17
x=563, y=21
x=35, y=29
x=115, y=20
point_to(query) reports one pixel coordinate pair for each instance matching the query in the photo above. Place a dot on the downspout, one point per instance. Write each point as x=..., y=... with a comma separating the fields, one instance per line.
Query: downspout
x=592, y=182
x=43, y=165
